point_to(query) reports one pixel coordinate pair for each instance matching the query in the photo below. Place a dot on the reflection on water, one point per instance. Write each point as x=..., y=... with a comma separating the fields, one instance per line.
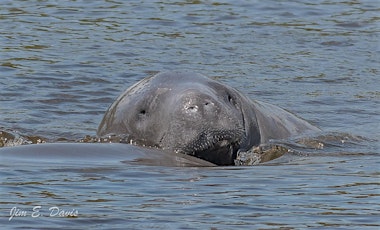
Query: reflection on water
x=63, y=63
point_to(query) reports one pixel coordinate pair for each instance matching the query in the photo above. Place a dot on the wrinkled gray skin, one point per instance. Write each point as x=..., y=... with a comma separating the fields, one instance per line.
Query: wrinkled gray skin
x=185, y=112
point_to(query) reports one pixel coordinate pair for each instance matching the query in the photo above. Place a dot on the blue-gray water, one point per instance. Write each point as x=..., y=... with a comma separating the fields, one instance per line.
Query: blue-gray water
x=62, y=63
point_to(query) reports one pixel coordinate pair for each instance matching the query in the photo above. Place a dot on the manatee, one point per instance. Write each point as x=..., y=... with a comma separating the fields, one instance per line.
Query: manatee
x=188, y=113
x=92, y=154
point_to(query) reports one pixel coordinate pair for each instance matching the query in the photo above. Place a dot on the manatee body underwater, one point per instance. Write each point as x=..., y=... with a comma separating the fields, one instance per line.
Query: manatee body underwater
x=187, y=113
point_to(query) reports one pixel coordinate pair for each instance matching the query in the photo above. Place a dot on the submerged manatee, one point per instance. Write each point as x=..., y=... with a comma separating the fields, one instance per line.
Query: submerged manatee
x=186, y=112
x=91, y=154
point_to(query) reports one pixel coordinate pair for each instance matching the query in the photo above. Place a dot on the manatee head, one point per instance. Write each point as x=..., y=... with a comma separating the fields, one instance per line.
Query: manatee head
x=184, y=112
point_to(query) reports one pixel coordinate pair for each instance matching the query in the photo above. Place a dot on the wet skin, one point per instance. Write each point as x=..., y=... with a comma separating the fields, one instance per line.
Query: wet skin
x=188, y=113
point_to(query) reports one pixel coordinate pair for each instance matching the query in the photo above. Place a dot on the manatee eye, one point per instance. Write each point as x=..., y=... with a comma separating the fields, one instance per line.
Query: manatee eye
x=229, y=98
x=142, y=112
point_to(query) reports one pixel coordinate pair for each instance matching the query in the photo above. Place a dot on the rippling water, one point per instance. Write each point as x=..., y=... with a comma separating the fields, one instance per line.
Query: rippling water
x=63, y=63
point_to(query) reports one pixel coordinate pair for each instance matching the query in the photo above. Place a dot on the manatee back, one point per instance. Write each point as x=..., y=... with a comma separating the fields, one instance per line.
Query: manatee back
x=277, y=123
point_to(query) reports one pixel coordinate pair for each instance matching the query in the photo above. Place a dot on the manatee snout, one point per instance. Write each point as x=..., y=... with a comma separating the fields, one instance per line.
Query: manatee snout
x=213, y=126
x=198, y=105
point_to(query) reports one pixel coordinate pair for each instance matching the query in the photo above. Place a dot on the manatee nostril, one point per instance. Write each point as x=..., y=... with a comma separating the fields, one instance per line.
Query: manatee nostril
x=191, y=108
x=209, y=105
